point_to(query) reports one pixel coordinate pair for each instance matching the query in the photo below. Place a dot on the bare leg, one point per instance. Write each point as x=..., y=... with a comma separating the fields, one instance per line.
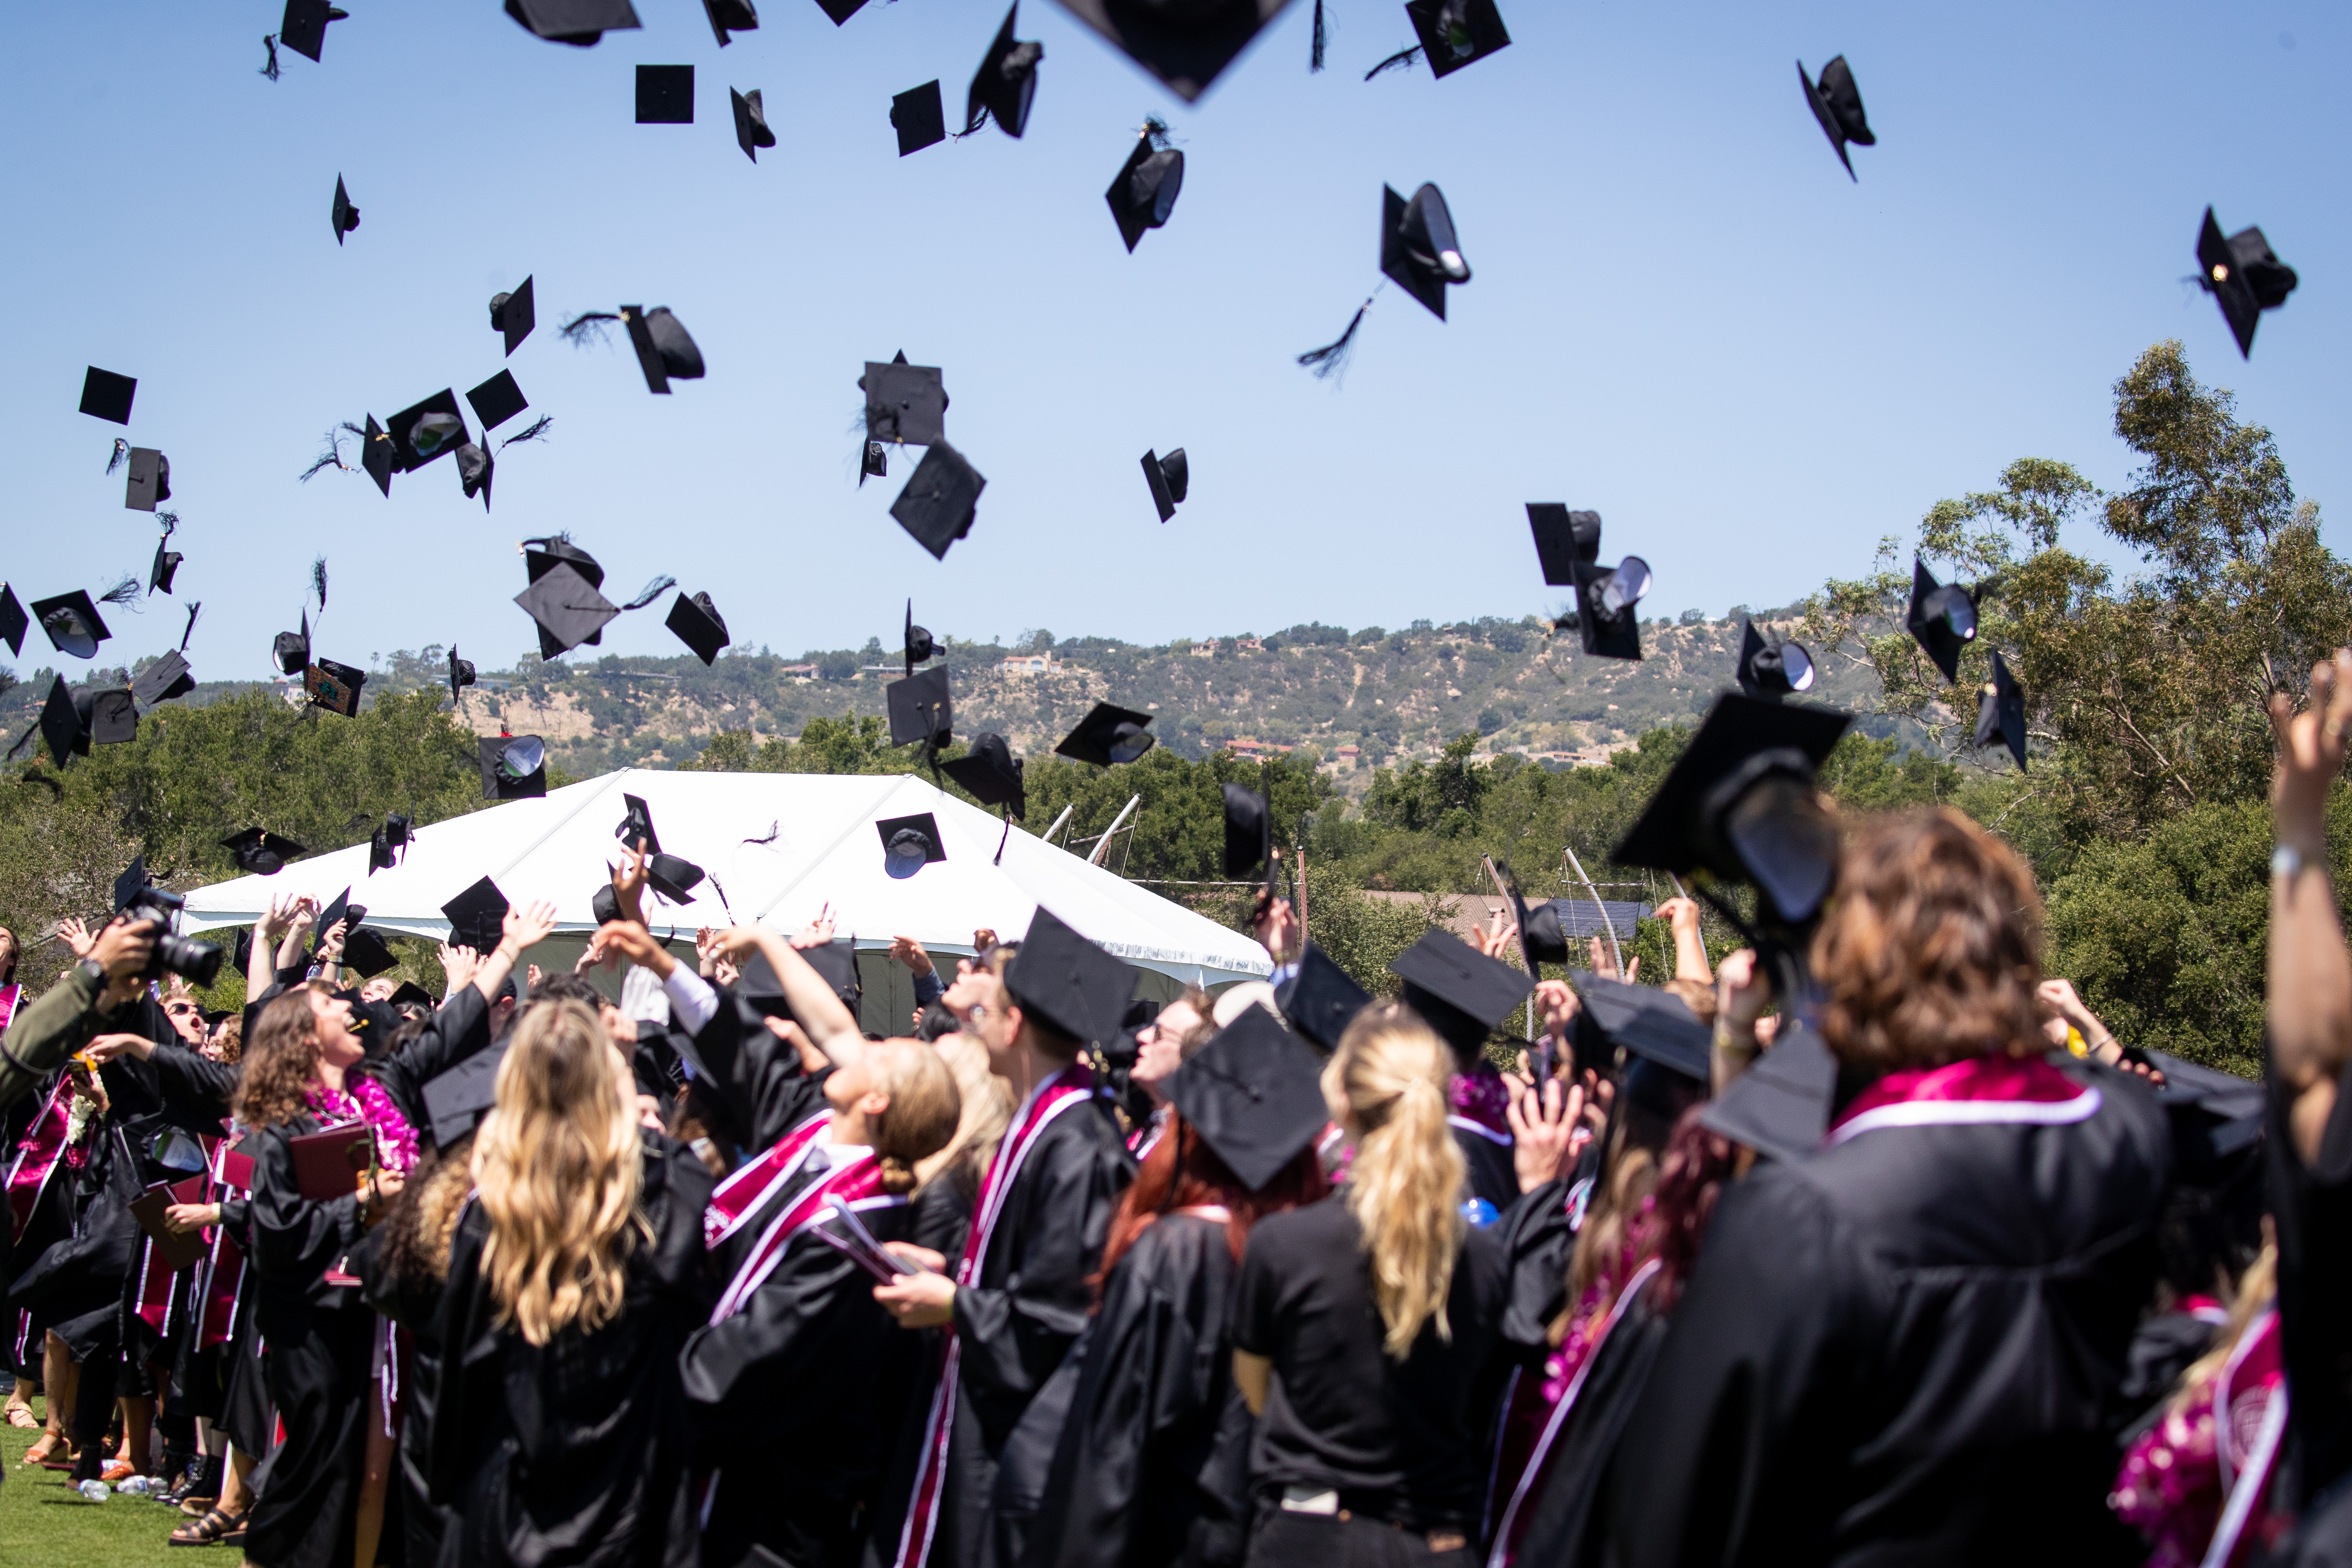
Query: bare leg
x=375, y=1480
x=236, y=1496
x=59, y=1382
x=139, y=1433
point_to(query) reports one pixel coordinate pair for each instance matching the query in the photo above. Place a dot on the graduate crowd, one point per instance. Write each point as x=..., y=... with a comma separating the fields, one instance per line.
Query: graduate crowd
x=1870, y=1245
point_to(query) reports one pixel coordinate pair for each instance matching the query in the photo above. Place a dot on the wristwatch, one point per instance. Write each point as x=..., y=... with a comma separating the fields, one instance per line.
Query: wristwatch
x=94, y=968
x=2285, y=860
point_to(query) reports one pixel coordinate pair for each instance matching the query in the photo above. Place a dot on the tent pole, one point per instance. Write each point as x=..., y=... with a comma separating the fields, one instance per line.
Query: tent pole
x=1102, y=845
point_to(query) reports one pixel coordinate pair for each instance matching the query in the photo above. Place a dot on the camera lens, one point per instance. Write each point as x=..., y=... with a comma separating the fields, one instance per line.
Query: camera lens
x=198, y=961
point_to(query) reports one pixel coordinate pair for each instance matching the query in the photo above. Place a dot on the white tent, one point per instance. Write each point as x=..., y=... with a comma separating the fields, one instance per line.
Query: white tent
x=778, y=848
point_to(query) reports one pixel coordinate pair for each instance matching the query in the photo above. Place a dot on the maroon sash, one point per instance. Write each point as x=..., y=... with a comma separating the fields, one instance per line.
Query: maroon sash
x=853, y=1182
x=222, y=1279
x=735, y=1200
x=37, y=1158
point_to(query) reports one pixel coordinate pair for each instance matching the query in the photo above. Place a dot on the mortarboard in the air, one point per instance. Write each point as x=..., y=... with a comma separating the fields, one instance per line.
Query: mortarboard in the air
x=665, y=351
x=836, y=962
x=498, y=400
x=665, y=95
x=1456, y=33
x=1069, y=982
x=14, y=621
x=391, y=834
x=730, y=16
x=568, y=608
x=873, y=465
x=514, y=767
x=917, y=645
x=840, y=10
x=461, y=672
x=292, y=649
x=426, y=430
x=1458, y=990
x=365, y=950
x=940, y=499
x=456, y=1101
x=133, y=881
x=376, y=456
x=1654, y=1025
x=477, y=917
x=514, y=315
x=1837, y=105
x=1006, y=82
x=106, y=395
x=604, y=904
x=260, y=851
x=334, y=687
x=751, y=122
x=1169, y=477
x=1144, y=194
x=1322, y=1000
x=1608, y=600
x=167, y=677
x=673, y=878
x=165, y=565
x=990, y=772
x=2245, y=276
x=909, y=843
x=2000, y=712
x=577, y=22
x=341, y=908
x=109, y=716
x=1183, y=43
x=920, y=118
x=303, y=28
x=149, y=480
x=1772, y=670
x=1249, y=831
x=1110, y=735
x=61, y=724
x=1254, y=1092
x=698, y=625
x=540, y=556
x=72, y=622
x=476, y=468
x=1779, y=1107
x=1942, y=618
x=1564, y=540
x=905, y=403
x=343, y=214
x=921, y=707
x=636, y=828
x=1740, y=802
x=1418, y=250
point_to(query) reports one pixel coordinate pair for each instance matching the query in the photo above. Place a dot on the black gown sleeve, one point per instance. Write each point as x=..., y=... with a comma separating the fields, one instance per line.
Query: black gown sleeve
x=758, y=1077
x=464, y=1325
x=190, y=1082
x=295, y=1239
x=1538, y=1241
x=458, y=1029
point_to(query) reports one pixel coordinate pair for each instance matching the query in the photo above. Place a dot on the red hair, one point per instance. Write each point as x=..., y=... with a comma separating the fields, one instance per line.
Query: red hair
x=1163, y=1184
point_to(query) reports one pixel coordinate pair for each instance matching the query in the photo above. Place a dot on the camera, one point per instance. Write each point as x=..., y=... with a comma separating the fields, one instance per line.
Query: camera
x=196, y=961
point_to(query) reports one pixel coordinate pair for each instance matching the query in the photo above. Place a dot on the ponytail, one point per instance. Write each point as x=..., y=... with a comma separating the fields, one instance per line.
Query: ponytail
x=1404, y=1185
x=921, y=1117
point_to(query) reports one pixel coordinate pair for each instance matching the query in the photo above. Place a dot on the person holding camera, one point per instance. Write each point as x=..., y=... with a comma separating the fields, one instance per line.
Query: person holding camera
x=44, y=1034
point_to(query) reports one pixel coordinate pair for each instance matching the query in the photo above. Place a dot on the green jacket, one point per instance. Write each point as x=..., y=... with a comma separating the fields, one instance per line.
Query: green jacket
x=42, y=1035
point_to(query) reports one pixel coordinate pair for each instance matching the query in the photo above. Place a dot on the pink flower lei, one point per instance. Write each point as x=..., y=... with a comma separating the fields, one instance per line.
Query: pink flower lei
x=363, y=1100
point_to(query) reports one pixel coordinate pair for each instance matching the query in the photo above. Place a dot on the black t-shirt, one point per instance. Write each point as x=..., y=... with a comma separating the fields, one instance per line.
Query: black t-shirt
x=1398, y=1441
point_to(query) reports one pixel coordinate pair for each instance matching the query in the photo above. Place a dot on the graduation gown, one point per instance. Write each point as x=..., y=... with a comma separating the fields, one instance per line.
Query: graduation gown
x=1908, y=1347
x=1152, y=1466
x=578, y=1453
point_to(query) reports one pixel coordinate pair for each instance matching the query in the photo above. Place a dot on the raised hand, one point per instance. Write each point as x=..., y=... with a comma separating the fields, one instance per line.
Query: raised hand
x=629, y=882
x=1547, y=1133
x=460, y=965
x=75, y=936
x=527, y=925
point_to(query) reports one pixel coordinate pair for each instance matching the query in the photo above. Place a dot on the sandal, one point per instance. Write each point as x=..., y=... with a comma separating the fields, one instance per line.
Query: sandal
x=43, y=1447
x=116, y=1473
x=216, y=1528
x=21, y=1417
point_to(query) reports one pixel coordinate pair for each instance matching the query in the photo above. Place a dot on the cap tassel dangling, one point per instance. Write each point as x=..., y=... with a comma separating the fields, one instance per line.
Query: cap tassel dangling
x=121, y=451
x=270, y=69
x=1331, y=359
x=1315, y=58
x=1400, y=58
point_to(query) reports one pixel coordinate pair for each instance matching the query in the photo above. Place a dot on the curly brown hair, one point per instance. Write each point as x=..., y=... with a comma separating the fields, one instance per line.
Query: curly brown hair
x=1928, y=952
x=279, y=1062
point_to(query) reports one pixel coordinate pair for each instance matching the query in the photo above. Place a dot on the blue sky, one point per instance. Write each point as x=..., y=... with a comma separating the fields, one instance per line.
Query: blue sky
x=1683, y=314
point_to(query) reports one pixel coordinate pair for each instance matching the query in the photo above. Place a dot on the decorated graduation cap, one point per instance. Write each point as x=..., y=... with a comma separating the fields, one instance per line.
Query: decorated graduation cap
x=166, y=565
x=1739, y=803
x=1564, y=540
x=333, y=687
x=1110, y=735
x=342, y=214
x=920, y=118
x=1073, y=984
x=1452, y=34
x=905, y=404
x=1942, y=618
x=1254, y=1092
x=992, y=773
x=1458, y=990
x=1837, y=105
x=167, y=677
x=498, y=400
x=1005, y=83
x=1143, y=197
x=1322, y=1000
x=513, y=315
x=148, y=480
x=1249, y=831
x=751, y=130
x=72, y=622
x=107, y=395
x=665, y=95
x=873, y=464
x=477, y=917
x=1185, y=43
x=698, y=625
x=14, y=621
x=909, y=843
x=730, y=17
x=940, y=501
x=1606, y=619
x=576, y=22
x=1772, y=670
x=664, y=351
x=461, y=673
x=2245, y=276
x=1169, y=477
x=426, y=430
x=514, y=767
x=918, y=645
x=2000, y=712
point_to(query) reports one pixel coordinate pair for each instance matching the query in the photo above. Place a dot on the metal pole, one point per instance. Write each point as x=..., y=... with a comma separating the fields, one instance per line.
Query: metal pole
x=1505, y=894
x=1112, y=831
x=1607, y=924
x=1058, y=822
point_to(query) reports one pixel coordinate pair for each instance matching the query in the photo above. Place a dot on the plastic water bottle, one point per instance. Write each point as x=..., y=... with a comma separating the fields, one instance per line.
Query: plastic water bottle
x=137, y=1486
x=93, y=1490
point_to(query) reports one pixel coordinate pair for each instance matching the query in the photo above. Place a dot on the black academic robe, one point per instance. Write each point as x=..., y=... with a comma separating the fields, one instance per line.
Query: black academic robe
x=1537, y=1234
x=1567, y=1522
x=578, y=1453
x=1152, y=1467
x=761, y=1084
x=1907, y=1349
x=1493, y=1177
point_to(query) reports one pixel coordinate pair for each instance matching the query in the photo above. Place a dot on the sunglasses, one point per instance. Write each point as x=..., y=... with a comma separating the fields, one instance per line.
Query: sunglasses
x=180, y=1009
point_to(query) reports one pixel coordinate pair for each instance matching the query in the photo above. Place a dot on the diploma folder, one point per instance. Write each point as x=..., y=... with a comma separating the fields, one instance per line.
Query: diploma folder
x=177, y=1249
x=328, y=1166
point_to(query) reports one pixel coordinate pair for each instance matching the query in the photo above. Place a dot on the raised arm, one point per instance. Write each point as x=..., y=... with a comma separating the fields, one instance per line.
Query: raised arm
x=2310, y=1012
x=821, y=1013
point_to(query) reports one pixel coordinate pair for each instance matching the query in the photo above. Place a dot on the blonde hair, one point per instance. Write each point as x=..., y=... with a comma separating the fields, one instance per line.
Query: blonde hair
x=2257, y=1288
x=1390, y=1077
x=558, y=1168
x=925, y=1106
x=984, y=1111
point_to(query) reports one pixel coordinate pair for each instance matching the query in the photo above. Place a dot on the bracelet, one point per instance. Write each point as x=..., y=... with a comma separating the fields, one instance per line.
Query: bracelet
x=1729, y=1039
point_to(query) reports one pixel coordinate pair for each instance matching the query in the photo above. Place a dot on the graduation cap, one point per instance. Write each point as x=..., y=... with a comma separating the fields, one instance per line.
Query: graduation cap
x=461, y=672
x=1772, y=670
x=291, y=650
x=1780, y=1106
x=364, y=951
x=108, y=717
x=167, y=677
x=751, y=122
x=476, y=470
x=409, y=994
x=382, y=842
x=921, y=707
x=1606, y=599
x=577, y=22
x=698, y=625
x=334, y=687
x=1185, y=45
x=568, y=608
x=540, y=556
x=423, y=431
x=665, y=351
x=1419, y=252
x=1322, y=1000
x=672, y=877
x=1543, y=939
x=1254, y=1094
x=604, y=905
x=497, y=400
x=1942, y=618
x=514, y=767
x=2000, y=712
x=873, y=465
x=1657, y=1027
x=2245, y=276
x=1169, y=478
x=1110, y=735
x=909, y=843
x=377, y=456
x=907, y=404
x=840, y=10
x=1144, y=194
x=918, y=644
x=1458, y=990
x=1564, y=540
x=148, y=480
x=514, y=314
x=343, y=214
x=12, y=620
x=636, y=828
x=456, y=1101
x=990, y=772
x=940, y=499
x=1837, y=105
x=304, y=26
x=1456, y=33
x=477, y=917
x=72, y=624
x=60, y=724
x=730, y=16
x=1069, y=982
x=1249, y=831
x=1005, y=83
x=166, y=565
x=1740, y=802
x=131, y=886
x=106, y=395
x=665, y=95
x=920, y=118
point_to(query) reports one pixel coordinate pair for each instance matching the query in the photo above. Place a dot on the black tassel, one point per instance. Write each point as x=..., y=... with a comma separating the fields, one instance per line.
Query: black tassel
x=194, y=610
x=1332, y=358
x=319, y=579
x=170, y=520
x=30, y=730
x=333, y=458
x=654, y=590
x=121, y=451
x=590, y=325
x=123, y=593
x=1394, y=61
x=1156, y=130
x=270, y=70
x=536, y=432
x=1315, y=61
x=1004, y=838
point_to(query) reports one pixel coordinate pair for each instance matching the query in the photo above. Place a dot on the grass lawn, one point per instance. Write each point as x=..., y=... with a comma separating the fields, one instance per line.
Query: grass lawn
x=44, y=1521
